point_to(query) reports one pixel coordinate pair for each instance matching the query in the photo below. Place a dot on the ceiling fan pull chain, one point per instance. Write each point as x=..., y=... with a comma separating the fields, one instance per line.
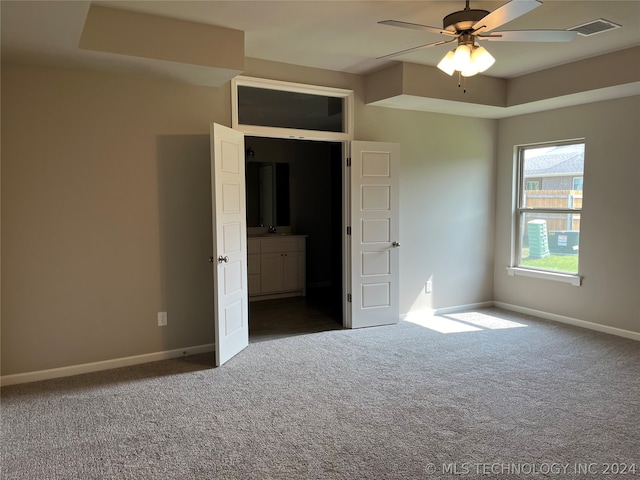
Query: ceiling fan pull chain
x=461, y=81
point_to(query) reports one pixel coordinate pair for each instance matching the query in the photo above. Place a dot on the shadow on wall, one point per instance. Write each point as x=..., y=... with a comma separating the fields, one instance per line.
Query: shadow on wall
x=184, y=200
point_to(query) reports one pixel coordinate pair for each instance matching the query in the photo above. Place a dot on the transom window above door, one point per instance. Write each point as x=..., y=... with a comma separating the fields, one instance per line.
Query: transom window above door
x=290, y=110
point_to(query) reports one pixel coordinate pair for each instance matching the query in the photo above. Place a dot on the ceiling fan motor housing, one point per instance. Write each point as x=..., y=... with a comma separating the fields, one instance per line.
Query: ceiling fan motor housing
x=463, y=20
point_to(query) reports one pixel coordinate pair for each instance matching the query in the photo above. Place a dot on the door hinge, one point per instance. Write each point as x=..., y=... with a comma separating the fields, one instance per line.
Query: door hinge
x=348, y=161
x=348, y=230
x=349, y=297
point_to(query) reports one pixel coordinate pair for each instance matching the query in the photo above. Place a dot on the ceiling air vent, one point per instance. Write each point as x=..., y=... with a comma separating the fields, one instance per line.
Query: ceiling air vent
x=595, y=26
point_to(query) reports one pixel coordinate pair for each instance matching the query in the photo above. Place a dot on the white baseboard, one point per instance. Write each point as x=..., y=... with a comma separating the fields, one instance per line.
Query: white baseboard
x=570, y=321
x=462, y=308
x=103, y=365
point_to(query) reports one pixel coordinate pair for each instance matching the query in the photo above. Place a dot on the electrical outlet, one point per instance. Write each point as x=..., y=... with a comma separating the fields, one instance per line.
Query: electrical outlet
x=428, y=287
x=162, y=319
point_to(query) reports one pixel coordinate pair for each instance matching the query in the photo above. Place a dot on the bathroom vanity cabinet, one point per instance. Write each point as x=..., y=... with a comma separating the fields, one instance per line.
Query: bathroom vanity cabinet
x=276, y=266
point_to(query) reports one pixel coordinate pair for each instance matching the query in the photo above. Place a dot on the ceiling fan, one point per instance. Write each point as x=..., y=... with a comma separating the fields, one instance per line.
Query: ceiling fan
x=468, y=26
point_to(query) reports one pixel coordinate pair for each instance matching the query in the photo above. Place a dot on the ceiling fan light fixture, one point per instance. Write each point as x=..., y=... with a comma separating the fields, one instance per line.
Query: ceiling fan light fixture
x=468, y=59
x=470, y=25
x=446, y=64
x=469, y=71
x=461, y=57
x=481, y=59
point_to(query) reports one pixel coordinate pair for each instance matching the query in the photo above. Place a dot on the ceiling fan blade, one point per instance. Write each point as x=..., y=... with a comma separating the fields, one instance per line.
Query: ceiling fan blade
x=530, y=36
x=416, y=26
x=504, y=14
x=409, y=50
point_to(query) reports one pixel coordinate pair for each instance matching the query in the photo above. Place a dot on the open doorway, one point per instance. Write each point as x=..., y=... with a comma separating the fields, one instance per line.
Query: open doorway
x=305, y=196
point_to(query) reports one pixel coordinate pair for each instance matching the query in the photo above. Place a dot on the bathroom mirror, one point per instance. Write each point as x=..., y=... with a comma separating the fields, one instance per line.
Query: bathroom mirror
x=267, y=185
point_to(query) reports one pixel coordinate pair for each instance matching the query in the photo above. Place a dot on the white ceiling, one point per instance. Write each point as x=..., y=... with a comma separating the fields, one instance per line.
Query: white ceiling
x=335, y=35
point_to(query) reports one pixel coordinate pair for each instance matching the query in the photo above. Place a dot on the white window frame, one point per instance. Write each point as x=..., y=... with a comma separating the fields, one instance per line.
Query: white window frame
x=516, y=269
x=278, y=132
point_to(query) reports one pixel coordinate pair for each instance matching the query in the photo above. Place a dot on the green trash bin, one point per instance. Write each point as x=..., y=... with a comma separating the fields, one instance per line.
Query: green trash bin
x=564, y=242
x=538, y=241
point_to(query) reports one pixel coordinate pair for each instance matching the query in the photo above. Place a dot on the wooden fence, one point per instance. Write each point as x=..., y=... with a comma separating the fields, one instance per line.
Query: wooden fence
x=555, y=199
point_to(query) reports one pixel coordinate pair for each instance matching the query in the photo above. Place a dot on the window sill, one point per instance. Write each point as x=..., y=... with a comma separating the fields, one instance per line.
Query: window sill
x=574, y=280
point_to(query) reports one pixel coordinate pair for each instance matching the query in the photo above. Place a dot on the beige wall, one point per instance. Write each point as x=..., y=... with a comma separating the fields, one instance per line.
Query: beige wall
x=447, y=183
x=106, y=214
x=610, y=230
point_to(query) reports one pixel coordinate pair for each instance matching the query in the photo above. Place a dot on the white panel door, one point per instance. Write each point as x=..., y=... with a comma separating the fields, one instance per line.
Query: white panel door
x=374, y=234
x=229, y=242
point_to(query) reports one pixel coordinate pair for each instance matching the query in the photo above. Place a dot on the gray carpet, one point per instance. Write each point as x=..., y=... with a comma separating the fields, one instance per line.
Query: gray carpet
x=396, y=402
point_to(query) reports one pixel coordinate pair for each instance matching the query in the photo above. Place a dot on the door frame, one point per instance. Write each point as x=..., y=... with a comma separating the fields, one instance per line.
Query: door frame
x=346, y=137
x=347, y=262
x=346, y=213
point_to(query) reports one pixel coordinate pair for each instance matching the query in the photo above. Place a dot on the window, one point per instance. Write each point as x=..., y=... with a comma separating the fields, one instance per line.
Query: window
x=548, y=208
x=277, y=109
x=577, y=183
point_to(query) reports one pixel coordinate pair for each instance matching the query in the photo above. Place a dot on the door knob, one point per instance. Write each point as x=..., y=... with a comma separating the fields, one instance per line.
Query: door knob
x=224, y=259
x=396, y=244
x=211, y=259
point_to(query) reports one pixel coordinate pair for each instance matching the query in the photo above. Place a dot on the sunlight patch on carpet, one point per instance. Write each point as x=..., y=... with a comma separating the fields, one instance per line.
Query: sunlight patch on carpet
x=462, y=322
x=485, y=321
x=441, y=324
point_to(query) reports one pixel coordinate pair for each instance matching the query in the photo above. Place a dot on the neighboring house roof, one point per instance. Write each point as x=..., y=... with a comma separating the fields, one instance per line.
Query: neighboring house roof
x=562, y=160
